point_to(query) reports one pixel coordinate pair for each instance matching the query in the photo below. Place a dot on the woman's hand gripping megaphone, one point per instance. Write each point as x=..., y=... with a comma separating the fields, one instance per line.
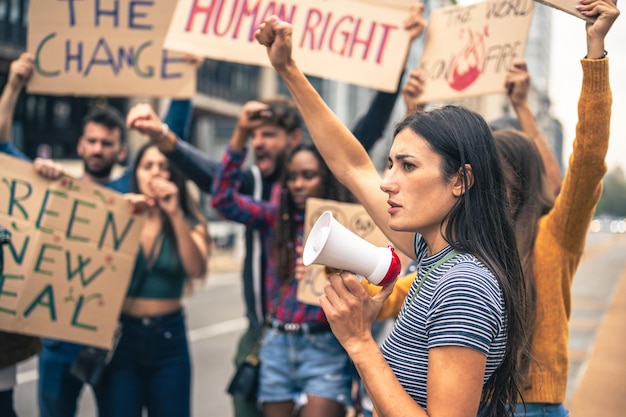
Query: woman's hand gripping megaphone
x=331, y=244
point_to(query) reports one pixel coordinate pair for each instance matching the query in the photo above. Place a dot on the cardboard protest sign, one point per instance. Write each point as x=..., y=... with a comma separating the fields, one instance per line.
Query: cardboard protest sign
x=469, y=49
x=354, y=218
x=361, y=43
x=567, y=6
x=72, y=252
x=111, y=48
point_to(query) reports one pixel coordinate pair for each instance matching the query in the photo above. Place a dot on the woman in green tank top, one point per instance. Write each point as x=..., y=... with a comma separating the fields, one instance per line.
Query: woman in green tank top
x=151, y=367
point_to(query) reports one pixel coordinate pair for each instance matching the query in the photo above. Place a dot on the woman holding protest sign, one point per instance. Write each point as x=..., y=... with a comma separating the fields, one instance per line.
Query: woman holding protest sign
x=551, y=233
x=151, y=367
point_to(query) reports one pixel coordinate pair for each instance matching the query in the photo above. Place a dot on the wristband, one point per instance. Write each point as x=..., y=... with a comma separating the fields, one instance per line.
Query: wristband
x=604, y=55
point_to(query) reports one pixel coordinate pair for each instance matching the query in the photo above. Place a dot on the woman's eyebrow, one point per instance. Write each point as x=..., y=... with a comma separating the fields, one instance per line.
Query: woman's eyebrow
x=403, y=156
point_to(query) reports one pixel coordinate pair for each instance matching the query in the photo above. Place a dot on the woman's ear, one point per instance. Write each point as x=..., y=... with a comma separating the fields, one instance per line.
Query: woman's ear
x=463, y=177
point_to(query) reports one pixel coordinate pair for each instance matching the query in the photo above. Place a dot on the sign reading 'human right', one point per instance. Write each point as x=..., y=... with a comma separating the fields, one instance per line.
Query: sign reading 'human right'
x=358, y=42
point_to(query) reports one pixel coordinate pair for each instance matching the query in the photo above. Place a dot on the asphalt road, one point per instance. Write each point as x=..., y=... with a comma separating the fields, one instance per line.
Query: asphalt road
x=215, y=321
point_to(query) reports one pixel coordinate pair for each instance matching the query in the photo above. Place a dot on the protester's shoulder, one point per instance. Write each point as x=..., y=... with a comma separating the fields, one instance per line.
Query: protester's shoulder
x=467, y=285
x=121, y=184
x=10, y=149
x=467, y=271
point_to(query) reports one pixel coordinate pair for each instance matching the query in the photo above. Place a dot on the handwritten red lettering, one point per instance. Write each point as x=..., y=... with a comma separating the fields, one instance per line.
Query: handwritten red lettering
x=226, y=18
x=345, y=35
x=197, y=9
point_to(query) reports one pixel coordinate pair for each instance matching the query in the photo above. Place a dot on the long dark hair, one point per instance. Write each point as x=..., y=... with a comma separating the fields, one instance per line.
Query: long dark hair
x=480, y=224
x=189, y=207
x=529, y=199
x=286, y=226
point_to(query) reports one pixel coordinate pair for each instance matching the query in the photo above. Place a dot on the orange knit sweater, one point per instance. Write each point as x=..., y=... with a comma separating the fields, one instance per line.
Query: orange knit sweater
x=560, y=240
x=562, y=233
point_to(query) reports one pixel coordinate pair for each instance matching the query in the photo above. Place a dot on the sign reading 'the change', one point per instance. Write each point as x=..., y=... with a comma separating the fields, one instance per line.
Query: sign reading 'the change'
x=112, y=48
x=71, y=255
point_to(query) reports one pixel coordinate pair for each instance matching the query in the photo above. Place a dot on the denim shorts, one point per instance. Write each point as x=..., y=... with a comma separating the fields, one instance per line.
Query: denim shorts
x=541, y=410
x=297, y=364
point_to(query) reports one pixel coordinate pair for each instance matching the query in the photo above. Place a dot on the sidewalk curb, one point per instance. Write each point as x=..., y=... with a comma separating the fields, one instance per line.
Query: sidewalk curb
x=602, y=386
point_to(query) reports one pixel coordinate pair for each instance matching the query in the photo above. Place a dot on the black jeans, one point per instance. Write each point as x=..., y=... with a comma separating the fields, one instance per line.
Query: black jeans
x=6, y=404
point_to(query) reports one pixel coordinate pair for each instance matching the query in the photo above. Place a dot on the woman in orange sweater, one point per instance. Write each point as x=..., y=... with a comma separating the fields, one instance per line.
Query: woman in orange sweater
x=551, y=234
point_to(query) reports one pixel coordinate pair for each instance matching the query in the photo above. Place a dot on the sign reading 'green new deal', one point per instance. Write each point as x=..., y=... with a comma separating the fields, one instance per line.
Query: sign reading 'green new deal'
x=72, y=252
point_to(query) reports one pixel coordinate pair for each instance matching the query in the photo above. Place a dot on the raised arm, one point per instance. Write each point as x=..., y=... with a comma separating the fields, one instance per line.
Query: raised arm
x=343, y=153
x=518, y=85
x=582, y=187
x=605, y=12
x=370, y=127
x=195, y=164
x=178, y=118
x=412, y=90
x=192, y=242
x=227, y=199
x=19, y=73
x=229, y=202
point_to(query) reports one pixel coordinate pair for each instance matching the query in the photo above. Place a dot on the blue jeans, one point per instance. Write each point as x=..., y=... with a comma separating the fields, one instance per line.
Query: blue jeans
x=541, y=410
x=151, y=368
x=293, y=365
x=57, y=389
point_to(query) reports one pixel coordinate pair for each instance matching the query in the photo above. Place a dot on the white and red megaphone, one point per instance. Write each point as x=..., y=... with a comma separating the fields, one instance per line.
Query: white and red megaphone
x=331, y=244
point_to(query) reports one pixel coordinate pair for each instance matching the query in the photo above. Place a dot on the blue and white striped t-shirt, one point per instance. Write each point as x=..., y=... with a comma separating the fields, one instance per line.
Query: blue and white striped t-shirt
x=459, y=304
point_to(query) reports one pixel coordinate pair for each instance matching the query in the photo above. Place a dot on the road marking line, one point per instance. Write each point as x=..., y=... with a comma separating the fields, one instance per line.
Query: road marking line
x=217, y=329
x=27, y=376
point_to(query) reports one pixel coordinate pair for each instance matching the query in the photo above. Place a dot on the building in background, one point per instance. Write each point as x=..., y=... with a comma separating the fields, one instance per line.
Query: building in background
x=50, y=125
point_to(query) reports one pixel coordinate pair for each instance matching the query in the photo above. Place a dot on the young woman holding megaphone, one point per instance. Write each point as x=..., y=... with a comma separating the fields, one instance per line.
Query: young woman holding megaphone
x=454, y=349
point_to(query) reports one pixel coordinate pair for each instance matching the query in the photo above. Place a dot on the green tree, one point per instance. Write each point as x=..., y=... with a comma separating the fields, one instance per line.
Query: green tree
x=613, y=200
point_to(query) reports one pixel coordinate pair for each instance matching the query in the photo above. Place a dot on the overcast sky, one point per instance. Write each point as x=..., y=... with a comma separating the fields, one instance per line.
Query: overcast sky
x=568, y=47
